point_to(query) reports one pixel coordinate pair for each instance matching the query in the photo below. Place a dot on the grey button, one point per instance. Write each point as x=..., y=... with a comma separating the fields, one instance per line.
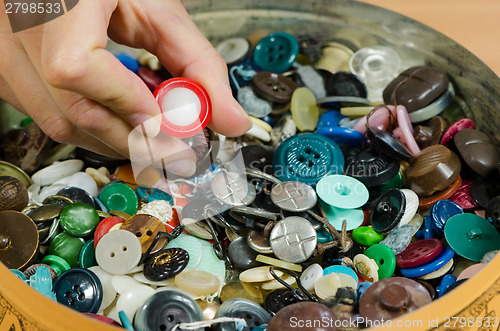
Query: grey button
x=232, y=189
x=293, y=196
x=293, y=239
x=257, y=212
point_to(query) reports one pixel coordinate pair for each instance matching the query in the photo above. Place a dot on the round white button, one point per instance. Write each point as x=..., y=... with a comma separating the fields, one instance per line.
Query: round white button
x=310, y=276
x=118, y=252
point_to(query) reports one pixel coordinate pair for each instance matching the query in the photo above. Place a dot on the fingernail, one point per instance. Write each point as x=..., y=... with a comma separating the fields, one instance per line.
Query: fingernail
x=185, y=167
x=150, y=124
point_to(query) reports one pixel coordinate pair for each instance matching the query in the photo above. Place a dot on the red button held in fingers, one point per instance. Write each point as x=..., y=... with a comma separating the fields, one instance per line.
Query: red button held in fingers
x=185, y=107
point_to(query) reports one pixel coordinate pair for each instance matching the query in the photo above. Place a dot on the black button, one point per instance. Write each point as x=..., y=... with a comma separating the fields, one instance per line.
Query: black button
x=369, y=168
x=484, y=190
x=386, y=144
x=79, y=289
x=282, y=297
x=77, y=195
x=165, y=264
x=493, y=211
x=345, y=84
x=388, y=210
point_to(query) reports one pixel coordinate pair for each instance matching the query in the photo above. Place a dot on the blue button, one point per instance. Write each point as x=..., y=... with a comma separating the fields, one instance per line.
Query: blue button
x=329, y=119
x=447, y=281
x=362, y=287
x=276, y=52
x=129, y=62
x=307, y=158
x=148, y=194
x=444, y=257
x=441, y=212
x=340, y=269
x=79, y=289
x=341, y=135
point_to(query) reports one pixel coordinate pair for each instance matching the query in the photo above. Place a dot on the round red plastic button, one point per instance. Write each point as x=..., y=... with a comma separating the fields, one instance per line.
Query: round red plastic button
x=185, y=107
x=419, y=253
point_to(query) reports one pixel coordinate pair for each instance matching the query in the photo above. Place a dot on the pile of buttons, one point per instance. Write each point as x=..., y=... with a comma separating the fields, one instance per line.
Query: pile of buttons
x=363, y=194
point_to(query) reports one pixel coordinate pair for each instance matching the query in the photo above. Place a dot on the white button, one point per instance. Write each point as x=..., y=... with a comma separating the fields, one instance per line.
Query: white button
x=122, y=283
x=258, y=274
x=310, y=276
x=132, y=299
x=181, y=106
x=411, y=206
x=108, y=292
x=118, y=252
x=234, y=49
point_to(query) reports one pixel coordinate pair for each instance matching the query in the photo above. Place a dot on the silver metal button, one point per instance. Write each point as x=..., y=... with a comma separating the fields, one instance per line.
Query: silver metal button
x=293, y=196
x=293, y=239
x=232, y=189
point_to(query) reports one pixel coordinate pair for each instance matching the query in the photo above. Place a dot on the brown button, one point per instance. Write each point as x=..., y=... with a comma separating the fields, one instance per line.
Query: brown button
x=303, y=316
x=392, y=297
x=18, y=240
x=25, y=148
x=46, y=213
x=478, y=151
x=430, y=133
x=434, y=169
x=146, y=227
x=416, y=87
x=274, y=87
x=13, y=194
x=427, y=202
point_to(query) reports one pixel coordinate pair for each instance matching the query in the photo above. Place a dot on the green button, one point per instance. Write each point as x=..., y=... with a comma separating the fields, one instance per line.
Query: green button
x=366, y=236
x=87, y=255
x=385, y=259
x=67, y=247
x=79, y=219
x=121, y=197
x=395, y=182
x=57, y=263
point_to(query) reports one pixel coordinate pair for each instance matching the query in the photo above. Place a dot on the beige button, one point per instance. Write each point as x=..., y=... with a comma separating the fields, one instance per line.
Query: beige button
x=328, y=285
x=274, y=284
x=366, y=268
x=258, y=274
x=438, y=273
x=197, y=282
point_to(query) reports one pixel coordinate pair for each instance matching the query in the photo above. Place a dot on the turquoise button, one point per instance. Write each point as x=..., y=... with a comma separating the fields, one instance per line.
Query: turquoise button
x=324, y=236
x=336, y=216
x=342, y=191
x=307, y=158
x=340, y=269
x=148, y=194
x=79, y=219
x=121, y=197
x=276, y=52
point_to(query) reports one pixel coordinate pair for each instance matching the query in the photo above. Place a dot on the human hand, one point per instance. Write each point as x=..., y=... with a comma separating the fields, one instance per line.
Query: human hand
x=61, y=75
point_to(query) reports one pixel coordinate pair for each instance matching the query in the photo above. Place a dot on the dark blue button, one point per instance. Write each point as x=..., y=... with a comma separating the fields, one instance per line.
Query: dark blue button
x=129, y=62
x=427, y=230
x=307, y=158
x=76, y=195
x=276, y=52
x=444, y=257
x=79, y=289
x=241, y=74
x=148, y=194
x=166, y=309
x=341, y=135
x=329, y=119
x=441, y=212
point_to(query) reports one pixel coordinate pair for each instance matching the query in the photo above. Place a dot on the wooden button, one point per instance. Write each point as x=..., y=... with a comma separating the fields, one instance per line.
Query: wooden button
x=146, y=227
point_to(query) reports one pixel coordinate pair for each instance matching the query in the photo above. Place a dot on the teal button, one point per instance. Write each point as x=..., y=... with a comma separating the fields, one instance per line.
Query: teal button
x=148, y=194
x=307, y=158
x=79, y=219
x=336, y=216
x=342, y=191
x=341, y=269
x=121, y=197
x=276, y=52
x=86, y=258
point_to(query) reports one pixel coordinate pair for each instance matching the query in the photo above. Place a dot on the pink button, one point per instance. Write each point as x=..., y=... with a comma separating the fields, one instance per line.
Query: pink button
x=464, y=123
x=405, y=130
x=185, y=106
x=378, y=119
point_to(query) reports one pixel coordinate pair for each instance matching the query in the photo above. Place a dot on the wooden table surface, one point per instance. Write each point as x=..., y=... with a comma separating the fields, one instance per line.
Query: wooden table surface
x=474, y=24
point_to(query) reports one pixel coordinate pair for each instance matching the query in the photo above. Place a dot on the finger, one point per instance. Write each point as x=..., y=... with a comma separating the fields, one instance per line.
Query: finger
x=171, y=35
x=35, y=100
x=79, y=62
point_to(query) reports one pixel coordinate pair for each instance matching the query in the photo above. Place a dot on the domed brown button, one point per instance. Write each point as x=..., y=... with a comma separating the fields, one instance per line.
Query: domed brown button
x=303, y=316
x=478, y=151
x=18, y=240
x=434, y=169
x=416, y=87
x=392, y=297
x=430, y=133
x=13, y=194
